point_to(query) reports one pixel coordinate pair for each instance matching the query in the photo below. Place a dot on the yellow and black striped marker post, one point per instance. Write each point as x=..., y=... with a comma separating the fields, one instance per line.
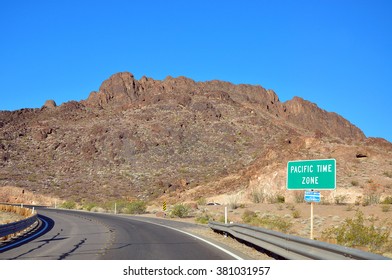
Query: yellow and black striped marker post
x=164, y=206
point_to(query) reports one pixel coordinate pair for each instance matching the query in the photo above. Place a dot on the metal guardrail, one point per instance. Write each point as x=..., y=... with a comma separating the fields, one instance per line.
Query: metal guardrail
x=292, y=247
x=18, y=226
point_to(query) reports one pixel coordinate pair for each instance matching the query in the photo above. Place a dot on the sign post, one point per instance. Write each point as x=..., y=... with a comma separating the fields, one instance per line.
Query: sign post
x=312, y=197
x=311, y=220
x=310, y=175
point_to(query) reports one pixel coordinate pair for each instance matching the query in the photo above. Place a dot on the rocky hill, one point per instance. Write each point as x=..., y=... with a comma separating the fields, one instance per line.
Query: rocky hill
x=181, y=140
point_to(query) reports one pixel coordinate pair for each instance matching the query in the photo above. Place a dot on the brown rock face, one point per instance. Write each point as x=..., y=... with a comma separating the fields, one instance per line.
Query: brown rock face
x=50, y=104
x=147, y=138
x=122, y=90
x=311, y=117
x=119, y=89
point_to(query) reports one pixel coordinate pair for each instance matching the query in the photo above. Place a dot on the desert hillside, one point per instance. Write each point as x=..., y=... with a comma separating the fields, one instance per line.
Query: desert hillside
x=181, y=140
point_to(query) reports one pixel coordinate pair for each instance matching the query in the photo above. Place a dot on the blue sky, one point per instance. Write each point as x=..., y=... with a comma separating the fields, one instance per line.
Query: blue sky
x=334, y=53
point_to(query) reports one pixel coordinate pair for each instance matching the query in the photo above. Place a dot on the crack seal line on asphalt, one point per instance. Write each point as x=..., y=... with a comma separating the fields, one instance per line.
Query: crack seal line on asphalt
x=199, y=238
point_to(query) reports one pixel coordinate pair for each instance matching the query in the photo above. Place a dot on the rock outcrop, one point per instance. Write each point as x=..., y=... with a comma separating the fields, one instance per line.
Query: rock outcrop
x=121, y=90
x=49, y=104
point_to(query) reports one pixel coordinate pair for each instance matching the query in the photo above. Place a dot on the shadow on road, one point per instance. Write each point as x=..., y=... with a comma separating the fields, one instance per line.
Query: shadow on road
x=45, y=225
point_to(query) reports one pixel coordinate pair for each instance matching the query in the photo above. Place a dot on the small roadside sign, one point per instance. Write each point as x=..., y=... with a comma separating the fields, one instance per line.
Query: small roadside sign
x=164, y=206
x=311, y=196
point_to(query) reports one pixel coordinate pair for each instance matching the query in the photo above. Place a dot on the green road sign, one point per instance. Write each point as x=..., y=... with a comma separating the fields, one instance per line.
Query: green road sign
x=311, y=174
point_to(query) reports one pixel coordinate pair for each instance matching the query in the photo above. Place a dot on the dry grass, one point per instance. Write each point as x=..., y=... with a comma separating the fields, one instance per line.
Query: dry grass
x=23, y=212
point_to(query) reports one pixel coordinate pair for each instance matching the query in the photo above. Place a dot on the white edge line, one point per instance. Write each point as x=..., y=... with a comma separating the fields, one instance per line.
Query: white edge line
x=187, y=233
x=199, y=238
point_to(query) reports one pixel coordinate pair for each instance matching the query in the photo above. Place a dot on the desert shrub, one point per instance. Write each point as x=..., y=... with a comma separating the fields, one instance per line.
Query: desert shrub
x=354, y=183
x=276, y=223
x=371, y=199
x=135, y=207
x=296, y=214
x=267, y=221
x=258, y=195
x=387, y=200
x=365, y=202
x=68, y=205
x=179, y=210
x=340, y=199
x=203, y=219
x=385, y=208
x=281, y=198
x=90, y=205
x=126, y=207
x=249, y=217
x=354, y=232
x=388, y=174
x=202, y=201
x=233, y=202
x=275, y=198
x=372, y=193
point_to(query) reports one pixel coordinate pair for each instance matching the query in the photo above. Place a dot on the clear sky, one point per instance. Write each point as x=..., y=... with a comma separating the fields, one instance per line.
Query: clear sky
x=335, y=53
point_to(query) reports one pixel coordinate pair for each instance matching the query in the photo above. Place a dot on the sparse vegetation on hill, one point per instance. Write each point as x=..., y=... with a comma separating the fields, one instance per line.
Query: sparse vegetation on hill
x=179, y=140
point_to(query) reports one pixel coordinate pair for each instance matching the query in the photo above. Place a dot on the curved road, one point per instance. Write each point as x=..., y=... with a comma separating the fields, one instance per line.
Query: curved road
x=89, y=236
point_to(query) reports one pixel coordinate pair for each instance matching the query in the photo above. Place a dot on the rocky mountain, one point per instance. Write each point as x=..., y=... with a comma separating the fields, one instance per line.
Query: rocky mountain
x=180, y=139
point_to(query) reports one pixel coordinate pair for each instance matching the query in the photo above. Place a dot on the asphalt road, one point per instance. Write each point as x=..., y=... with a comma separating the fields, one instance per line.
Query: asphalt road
x=89, y=236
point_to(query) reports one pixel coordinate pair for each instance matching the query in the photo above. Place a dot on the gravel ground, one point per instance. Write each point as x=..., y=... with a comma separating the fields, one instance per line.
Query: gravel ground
x=232, y=243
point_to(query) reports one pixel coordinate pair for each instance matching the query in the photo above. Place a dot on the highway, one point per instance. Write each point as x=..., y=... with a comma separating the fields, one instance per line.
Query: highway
x=77, y=235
